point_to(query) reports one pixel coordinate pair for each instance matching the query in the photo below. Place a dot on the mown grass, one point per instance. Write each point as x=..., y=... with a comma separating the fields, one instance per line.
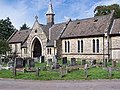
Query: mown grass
x=93, y=73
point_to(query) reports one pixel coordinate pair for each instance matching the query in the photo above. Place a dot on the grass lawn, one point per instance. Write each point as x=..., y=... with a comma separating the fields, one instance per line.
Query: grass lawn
x=93, y=73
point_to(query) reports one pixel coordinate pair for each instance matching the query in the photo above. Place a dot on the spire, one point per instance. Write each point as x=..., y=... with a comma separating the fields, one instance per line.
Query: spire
x=50, y=9
x=50, y=15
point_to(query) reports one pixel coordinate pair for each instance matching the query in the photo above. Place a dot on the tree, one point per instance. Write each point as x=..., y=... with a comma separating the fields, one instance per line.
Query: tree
x=104, y=10
x=4, y=46
x=24, y=27
x=6, y=28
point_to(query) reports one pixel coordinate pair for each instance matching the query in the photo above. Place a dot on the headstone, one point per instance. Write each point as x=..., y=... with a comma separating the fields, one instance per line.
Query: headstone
x=110, y=72
x=14, y=71
x=49, y=62
x=0, y=67
x=86, y=70
x=63, y=71
x=31, y=63
x=19, y=63
x=93, y=62
x=54, y=59
x=64, y=60
x=10, y=64
x=114, y=63
x=73, y=61
x=83, y=62
x=42, y=59
x=105, y=62
x=37, y=71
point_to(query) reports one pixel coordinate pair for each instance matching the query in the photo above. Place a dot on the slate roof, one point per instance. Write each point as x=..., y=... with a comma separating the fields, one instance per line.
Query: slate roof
x=87, y=27
x=55, y=31
x=45, y=29
x=116, y=27
x=19, y=36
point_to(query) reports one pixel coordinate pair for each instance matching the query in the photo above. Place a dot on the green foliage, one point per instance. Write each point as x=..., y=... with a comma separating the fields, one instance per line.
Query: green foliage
x=6, y=28
x=4, y=46
x=104, y=10
x=24, y=27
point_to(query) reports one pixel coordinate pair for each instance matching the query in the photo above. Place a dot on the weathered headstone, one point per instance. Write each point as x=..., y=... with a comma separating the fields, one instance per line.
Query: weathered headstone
x=14, y=71
x=42, y=59
x=110, y=72
x=73, y=61
x=63, y=71
x=105, y=62
x=86, y=71
x=19, y=63
x=113, y=63
x=0, y=67
x=49, y=62
x=83, y=62
x=10, y=64
x=64, y=60
x=31, y=63
x=37, y=71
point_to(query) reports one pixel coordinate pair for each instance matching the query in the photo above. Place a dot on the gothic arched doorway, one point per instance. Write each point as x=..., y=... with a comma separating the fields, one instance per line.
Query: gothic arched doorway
x=36, y=48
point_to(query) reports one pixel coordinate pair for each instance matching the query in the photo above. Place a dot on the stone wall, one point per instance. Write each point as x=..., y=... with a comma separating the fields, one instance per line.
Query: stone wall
x=18, y=48
x=87, y=48
x=38, y=33
x=115, y=50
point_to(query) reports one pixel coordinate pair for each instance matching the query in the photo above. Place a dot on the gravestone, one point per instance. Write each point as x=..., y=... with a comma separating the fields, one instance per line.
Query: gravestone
x=86, y=71
x=110, y=72
x=19, y=63
x=64, y=60
x=83, y=62
x=114, y=63
x=42, y=59
x=31, y=63
x=0, y=67
x=49, y=62
x=93, y=62
x=10, y=64
x=63, y=71
x=73, y=61
x=105, y=62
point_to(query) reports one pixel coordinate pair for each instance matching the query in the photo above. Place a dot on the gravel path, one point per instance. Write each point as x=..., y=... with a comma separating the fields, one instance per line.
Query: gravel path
x=7, y=84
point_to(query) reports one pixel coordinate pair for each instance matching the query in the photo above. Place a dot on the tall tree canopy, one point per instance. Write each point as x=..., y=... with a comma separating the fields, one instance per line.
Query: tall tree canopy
x=6, y=28
x=104, y=10
x=24, y=27
x=4, y=46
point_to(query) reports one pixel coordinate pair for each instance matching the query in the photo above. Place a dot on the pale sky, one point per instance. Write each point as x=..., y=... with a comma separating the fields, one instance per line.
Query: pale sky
x=24, y=11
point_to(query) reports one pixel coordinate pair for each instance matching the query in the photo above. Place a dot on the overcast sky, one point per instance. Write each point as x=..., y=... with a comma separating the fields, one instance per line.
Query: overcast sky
x=24, y=11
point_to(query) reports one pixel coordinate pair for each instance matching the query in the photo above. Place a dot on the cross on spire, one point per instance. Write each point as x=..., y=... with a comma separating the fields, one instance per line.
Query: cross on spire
x=36, y=17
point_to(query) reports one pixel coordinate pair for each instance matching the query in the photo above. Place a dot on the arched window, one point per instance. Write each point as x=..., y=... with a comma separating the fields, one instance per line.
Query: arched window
x=50, y=50
x=68, y=46
x=97, y=46
x=81, y=46
x=93, y=46
x=78, y=46
x=65, y=46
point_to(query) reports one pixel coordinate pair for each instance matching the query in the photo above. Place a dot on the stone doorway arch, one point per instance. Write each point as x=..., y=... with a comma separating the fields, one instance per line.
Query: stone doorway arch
x=36, y=48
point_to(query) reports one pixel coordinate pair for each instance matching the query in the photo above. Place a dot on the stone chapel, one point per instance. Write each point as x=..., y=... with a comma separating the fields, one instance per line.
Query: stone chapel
x=92, y=38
